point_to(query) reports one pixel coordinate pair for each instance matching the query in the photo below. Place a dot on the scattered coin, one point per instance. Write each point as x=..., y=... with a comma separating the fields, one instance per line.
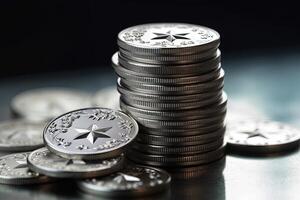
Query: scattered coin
x=45, y=162
x=20, y=135
x=46, y=103
x=14, y=171
x=132, y=181
x=261, y=136
x=90, y=133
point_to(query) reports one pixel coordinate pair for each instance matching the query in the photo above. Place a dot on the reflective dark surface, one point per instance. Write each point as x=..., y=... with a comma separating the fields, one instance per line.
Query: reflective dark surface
x=267, y=83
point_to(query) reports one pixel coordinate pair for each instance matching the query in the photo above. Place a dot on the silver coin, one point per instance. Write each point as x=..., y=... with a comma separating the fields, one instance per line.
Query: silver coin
x=177, y=150
x=187, y=173
x=90, y=133
x=211, y=61
x=212, y=85
x=167, y=71
x=177, y=132
x=182, y=98
x=160, y=124
x=188, y=79
x=159, y=59
x=107, y=97
x=176, y=161
x=20, y=135
x=14, y=171
x=168, y=38
x=45, y=162
x=134, y=180
x=261, y=136
x=163, y=106
x=46, y=103
x=180, y=140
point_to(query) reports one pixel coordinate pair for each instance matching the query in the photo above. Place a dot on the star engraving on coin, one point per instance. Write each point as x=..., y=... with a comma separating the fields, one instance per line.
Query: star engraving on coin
x=170, y=36
x=166, y=35
x=90, y=133
x=14, y=170
x=122, y=178
x=132, y=180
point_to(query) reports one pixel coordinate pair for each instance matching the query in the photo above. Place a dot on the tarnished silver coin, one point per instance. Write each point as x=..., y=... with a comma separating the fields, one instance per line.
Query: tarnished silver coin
x=168, y=38
x=107, y=97
x=14, y=171
x=90, y=133
x=46, y=103
x=45, y=162
x=259, y=136
x=20, y=135
x=134, y=180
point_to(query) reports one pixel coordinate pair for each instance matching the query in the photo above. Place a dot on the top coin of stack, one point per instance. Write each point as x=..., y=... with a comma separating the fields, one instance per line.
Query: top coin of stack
x=171, y=83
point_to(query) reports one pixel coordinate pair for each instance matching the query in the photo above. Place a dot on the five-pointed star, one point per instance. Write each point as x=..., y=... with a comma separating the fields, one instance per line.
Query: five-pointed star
x=123, y=178
x=170, y=37
x=92, y=133
x=18, y=164
x=255, y=133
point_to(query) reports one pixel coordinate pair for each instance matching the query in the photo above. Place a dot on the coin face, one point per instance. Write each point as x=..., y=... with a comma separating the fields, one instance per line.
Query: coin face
x=132, y=181
x=259, y=136
x=50, y=164
x=90, y=133
x=14, y=170
x=46, y=103
x=19, y=135
x=107, y=97
x=167, y=35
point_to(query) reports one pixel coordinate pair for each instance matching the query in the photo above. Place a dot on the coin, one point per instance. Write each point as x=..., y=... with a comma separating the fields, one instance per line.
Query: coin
x=107, y=97
x=180, y=140
x=125, y=63
x=14, y=171
x=90, y=133
x=178, y=90
x=168, y=38
x=161, y=106
x=187, y=131
x=187, y=173
x=197, y=123
x=182, y=98
x=175, y=161
x=132, y=181
x=46, y=103
x=45, y=162
x=178, y=150
x=261, y=136
x=20, y=135
x=190, y=79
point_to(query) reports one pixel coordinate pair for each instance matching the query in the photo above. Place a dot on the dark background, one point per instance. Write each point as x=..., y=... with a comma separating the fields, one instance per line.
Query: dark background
x=41, y=36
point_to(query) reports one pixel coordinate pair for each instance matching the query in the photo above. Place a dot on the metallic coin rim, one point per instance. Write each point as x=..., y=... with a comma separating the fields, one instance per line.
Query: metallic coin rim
x=130, y=192
x=180, y=140
x=180, y=67
x=60, y=173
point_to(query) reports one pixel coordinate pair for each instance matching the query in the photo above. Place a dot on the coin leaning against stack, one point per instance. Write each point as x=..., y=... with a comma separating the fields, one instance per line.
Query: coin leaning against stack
x=171, y=82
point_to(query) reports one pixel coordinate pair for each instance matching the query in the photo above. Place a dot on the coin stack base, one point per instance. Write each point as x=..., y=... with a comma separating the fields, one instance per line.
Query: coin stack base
x=171, y=82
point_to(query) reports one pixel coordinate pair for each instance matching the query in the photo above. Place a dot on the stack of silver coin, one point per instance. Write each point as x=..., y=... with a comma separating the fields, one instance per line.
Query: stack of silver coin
x=171, y=82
